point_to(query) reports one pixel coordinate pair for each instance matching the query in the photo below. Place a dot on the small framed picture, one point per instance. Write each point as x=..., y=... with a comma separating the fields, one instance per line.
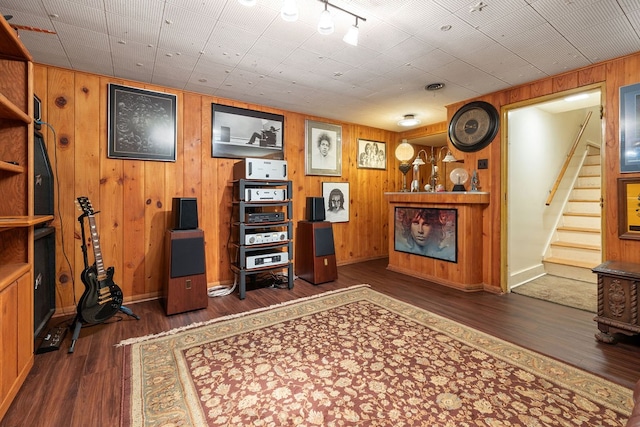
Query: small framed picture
x=323, y=149
x=336, y=199
x=372, y=154
x=630, y=128
x=629, y=208
x=141, y=124
x=239, y=133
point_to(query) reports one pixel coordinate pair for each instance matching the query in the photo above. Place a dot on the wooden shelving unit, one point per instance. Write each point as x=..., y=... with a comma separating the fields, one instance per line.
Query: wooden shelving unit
x=16, y=214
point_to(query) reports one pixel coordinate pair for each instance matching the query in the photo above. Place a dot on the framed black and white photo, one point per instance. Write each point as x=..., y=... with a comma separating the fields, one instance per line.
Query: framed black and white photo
x=428, y=232
x=239, y=133
x=630, y=128
x=141, y=124
x=372, y=154
x=336, y=199
x=323, y=149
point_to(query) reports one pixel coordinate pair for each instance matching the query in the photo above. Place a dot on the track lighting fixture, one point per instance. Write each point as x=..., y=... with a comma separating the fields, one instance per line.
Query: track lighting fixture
x=325, y=24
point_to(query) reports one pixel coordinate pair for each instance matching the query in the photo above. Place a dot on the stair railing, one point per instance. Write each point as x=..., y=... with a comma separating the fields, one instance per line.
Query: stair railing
x=565, y=165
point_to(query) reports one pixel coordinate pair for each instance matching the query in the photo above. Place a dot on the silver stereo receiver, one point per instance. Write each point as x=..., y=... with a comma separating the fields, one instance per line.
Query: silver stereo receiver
x=265, y=194
x=264, y=169
x=270, y=237
x=267, y=259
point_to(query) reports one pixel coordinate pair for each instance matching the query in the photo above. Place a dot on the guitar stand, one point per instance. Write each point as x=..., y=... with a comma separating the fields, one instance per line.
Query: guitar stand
x=78, y=320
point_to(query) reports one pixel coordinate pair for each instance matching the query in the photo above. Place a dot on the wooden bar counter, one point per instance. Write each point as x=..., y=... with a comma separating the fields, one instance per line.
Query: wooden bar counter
x=466, y=273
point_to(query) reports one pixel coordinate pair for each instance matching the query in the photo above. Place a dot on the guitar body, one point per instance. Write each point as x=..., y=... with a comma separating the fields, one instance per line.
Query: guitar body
x=101, y=298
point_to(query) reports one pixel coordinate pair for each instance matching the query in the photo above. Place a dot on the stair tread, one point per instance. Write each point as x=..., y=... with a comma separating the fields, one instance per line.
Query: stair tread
x=591, y=215
x=576, y=245
x=574, y=263
x=580, y=229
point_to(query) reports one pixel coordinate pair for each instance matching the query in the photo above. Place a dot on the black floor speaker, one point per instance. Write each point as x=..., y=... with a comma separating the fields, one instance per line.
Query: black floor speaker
x=43, y=178
x=44, y=270
x=185, y=213
x=186, y=285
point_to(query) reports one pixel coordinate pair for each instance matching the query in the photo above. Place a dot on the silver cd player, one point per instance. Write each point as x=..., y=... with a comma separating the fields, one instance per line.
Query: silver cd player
x=259, y=238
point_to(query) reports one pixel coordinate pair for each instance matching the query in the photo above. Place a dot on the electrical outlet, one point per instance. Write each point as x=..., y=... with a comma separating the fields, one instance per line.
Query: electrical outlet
x=483, y=163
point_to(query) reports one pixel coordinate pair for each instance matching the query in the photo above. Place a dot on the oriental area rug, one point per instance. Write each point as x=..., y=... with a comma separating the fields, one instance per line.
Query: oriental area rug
x=355, y=357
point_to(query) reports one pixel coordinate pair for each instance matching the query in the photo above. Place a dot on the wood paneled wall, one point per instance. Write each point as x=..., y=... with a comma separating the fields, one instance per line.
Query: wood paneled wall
x=134, y=197
x=614, y=74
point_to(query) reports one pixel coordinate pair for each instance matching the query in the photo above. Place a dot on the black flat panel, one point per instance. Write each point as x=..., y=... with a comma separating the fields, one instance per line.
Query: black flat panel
x=43, y=178
x=324, y=241
x=44, y=270
x=187, y=257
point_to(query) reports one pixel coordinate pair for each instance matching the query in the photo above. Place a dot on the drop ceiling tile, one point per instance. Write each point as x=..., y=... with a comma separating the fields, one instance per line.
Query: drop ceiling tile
x=135, y=74
x=139, y=10
x=629, y=5
x=171, y=60
x=30, y=20
x=432, y=60
x=589, y=16
x=78, y=37
x=383, y=37
x=24, y=6
x=512, y=24
x=78, y=15
x=168, y=81
x=209, y=8
x=129, y=29
x=175, y=41
x=250, y=19
x=403, y=17
x=495, y=10
x=187, y=22
x=132, y=51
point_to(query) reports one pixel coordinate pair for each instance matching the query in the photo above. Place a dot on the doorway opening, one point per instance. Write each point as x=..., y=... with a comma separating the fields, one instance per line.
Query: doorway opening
x=552, y=191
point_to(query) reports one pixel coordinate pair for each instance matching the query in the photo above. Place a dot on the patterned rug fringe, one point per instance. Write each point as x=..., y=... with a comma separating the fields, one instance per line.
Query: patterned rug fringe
x=174, y=331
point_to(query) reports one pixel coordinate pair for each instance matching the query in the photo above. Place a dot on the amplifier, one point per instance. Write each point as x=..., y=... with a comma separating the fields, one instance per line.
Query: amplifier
x=258, y=238
x=260, y=169
x=267, y=259
x=265, y=194
x=257, y=217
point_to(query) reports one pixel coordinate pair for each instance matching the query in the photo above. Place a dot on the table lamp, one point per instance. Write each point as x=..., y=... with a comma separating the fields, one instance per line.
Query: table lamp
x=404, y=153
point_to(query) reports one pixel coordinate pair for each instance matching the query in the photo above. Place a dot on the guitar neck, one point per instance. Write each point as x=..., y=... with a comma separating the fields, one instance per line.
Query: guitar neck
x=97, y=253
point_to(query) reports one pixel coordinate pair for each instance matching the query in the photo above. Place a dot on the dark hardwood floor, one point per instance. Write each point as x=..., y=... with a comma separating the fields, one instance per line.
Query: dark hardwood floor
x=84, y=388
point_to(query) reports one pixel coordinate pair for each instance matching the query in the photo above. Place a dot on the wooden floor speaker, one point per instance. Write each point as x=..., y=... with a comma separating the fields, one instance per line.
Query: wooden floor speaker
x=315, y=259
x=186, y=284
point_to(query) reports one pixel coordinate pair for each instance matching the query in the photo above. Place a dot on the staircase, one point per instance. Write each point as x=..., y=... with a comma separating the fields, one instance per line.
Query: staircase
x=577, y=246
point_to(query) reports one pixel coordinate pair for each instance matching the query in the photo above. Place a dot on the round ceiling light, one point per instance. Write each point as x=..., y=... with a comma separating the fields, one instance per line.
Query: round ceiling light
x=409, y=120
x=434, y=86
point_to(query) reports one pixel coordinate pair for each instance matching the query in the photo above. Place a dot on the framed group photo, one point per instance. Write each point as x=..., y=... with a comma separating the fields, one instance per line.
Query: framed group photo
x=428, y=232
x=141, y=124
x=372, y=154
x=336, y=199
x=239, y=133
x=630, y=128
x=323, y=149
x=629, y=208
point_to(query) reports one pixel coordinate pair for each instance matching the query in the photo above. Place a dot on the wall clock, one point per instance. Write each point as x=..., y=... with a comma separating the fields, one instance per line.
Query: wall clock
x=474, y=126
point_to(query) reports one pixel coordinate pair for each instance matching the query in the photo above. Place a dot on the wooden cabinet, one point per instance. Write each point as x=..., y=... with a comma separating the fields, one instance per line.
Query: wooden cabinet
x=16, y=214
x=617, y=299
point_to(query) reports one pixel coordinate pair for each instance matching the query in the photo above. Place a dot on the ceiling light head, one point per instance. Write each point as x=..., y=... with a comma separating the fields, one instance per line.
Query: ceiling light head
x=352, y=35
x=325, y=24
x=409, y=120
x=289, y=11
x=248, y=3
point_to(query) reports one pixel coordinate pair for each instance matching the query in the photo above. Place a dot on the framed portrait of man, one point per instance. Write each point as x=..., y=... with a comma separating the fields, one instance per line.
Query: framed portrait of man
x=323, y=149
x=336, y=200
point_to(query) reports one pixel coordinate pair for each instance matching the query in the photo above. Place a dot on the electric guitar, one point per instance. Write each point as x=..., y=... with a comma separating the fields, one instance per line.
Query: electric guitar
x=102, y=298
